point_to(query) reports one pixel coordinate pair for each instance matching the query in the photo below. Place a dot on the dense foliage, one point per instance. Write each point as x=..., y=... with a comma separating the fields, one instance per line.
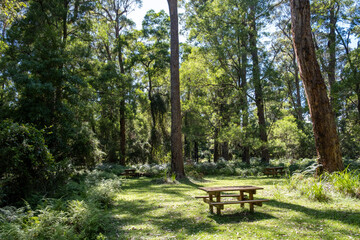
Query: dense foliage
x=26, y=163
x=81, y=83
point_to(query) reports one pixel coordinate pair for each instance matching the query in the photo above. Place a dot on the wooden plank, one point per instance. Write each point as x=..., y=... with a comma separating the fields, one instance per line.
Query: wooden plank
x=226, y=195
x=238, y=202
x=213, y=190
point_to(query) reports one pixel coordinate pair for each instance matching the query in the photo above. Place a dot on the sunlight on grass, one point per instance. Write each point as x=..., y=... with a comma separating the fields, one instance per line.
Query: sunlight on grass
x=148, y=210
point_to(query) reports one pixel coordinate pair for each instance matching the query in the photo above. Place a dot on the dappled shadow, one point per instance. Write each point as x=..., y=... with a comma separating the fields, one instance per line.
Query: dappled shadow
x=240, y=217
x=134, y=218
x=152, y=185
x=175, y=221
x=348, y=217
x=190, y=182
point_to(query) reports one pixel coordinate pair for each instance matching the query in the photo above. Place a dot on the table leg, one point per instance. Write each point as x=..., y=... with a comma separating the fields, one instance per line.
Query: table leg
x=218, y=199
x=251, y=197
x=241, y=198
x=211, y=208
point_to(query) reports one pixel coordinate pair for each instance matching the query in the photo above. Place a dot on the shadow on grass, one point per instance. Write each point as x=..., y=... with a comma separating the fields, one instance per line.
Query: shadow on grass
x=144, y=186
x=240, y=217
x=347, y=217
x=137, y=220
x=189, y=182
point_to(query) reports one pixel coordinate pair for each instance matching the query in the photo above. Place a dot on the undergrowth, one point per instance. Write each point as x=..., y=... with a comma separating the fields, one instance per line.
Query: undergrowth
x=76, y=212
x=346, y=182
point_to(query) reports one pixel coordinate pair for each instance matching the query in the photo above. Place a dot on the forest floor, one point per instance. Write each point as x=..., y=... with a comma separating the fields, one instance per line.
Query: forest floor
x=149, y=209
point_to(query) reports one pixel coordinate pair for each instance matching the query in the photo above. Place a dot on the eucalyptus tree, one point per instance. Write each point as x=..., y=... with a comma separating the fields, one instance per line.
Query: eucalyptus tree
x=324, y=127
x=230, y=30
x=259, y=98
x=177, y=162
x=151, y=52
x=112, y=17
x=222, y=29
x=286, y=63
x=197, y=107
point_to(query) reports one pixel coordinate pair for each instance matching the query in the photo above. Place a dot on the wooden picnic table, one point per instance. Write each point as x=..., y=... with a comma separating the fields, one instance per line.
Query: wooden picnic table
x=274, y=171
x=215, y=195
x=129, y=172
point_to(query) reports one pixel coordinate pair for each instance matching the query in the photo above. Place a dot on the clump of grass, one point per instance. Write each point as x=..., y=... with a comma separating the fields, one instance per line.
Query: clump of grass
x=313, y=188
x=346, y=181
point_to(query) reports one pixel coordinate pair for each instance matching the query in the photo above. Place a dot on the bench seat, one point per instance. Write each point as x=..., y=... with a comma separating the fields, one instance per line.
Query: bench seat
x=227, y=195
x=255, y=201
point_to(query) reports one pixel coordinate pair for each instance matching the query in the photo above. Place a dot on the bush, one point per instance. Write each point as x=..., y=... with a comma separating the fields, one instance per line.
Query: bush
x=25, y=161
x=85, y=150
x=77, y=213
x=75, y=220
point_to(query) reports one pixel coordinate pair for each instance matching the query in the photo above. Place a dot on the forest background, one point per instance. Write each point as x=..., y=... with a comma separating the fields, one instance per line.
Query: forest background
x=80, y=85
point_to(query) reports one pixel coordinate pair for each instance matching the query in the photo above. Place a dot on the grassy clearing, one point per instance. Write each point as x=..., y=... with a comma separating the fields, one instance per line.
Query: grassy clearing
x=102, y=204
x=146, y=209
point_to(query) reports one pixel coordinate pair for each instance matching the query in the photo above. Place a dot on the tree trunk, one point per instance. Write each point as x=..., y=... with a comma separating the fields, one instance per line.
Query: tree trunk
x=332, y=52
x=244, y=101
x=258, y=87
x=196, y=151
x=216, y=145
x=122, y=114
x=225, y=151
x=177, y=163
x=358, y=96
x=324, y=128
x=297, y=86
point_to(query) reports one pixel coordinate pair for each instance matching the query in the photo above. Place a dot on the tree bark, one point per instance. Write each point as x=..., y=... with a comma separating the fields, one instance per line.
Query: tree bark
x=122, y=114
x=324, y=128
x=216, y=145
x=225, y=151
x=196, y=151
x=332, y=52
x=244, y=101
x=258, y=87
x=299, y=112
x=177, y=163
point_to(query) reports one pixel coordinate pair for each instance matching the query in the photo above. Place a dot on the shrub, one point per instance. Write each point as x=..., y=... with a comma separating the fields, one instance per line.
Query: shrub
x=104, y=192
x=75, y=220
x=25, y=161
x=85, y=150
x=77, y=214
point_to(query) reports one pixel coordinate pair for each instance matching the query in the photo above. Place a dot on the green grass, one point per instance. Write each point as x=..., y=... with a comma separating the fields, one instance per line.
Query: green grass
x=146, y=209
x=102, y=205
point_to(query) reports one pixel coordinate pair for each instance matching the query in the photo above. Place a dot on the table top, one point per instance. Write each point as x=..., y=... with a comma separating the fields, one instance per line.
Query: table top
x=229, y=188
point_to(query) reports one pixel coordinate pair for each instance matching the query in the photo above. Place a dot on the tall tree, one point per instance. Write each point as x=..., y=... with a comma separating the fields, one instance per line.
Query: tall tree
x=153, y=56
x=324, y=127
x=177, y=162
x=114, y=13
x=259, y=99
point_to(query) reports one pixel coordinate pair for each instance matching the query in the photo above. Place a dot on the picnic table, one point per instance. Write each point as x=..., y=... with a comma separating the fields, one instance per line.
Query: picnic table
x=274, y=171
x=129, y=172
x=215, y=195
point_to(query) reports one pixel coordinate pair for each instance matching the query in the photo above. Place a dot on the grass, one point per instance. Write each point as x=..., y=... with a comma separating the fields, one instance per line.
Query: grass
x=146, y=209
x=103, y=205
